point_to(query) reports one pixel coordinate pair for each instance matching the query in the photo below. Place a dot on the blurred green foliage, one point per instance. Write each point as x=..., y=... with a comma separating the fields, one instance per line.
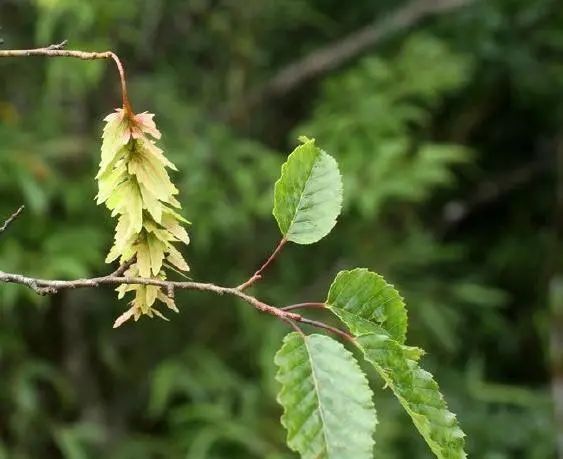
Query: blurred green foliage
x=424, y=127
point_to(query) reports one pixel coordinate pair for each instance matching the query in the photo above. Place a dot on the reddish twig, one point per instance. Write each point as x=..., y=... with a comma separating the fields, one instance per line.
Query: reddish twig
x=305, y=306
x=11, y=218
x=293, y=325
x=58, y=50
x=258, y=274
x=316, y=323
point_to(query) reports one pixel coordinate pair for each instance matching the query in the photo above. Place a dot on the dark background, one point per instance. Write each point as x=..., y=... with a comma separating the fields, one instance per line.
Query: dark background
x=447, y=131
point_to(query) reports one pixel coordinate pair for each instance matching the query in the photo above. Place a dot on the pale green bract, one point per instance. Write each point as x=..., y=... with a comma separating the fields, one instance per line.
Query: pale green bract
x=376, y=315
x=363, y=298
x=328, y=407
x=134, y=184
x=308, y=195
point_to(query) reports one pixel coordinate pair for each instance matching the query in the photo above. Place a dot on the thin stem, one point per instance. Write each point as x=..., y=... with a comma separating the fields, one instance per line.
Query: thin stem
x=316, y=323
x=58, y=51
x=258, y=274
x=295, y=327
x=305, y=306
x=11, y=218
x=124, y=95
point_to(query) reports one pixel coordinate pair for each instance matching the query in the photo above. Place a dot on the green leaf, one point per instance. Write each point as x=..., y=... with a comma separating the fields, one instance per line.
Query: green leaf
x=417, y=392
x=362, y=299
x=328, y=407
x=308, y=195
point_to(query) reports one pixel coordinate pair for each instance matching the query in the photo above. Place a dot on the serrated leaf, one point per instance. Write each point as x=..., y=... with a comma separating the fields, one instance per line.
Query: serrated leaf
x=362, y=299
x=417, y=392
x=308, y=195
x=328, y=407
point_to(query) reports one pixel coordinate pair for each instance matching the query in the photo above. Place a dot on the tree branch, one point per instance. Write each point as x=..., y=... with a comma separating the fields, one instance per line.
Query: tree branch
x=57, y=50
x=124, y=267
x=11, y=218
x=51, y=287
x=339, y=52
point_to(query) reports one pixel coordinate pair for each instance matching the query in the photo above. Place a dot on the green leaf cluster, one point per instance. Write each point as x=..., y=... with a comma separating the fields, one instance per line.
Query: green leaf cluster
x=328, y=411
x=134, y=184
x=375, y=313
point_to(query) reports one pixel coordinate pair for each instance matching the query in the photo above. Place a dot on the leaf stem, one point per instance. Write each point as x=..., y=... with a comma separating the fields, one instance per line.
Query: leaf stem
x=258, y=274
x=305, y=306
x=316, y=323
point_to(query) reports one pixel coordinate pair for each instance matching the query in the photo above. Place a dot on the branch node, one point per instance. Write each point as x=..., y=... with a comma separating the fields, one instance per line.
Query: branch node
x=44, y=291
x=258, y=274
x=56, y=46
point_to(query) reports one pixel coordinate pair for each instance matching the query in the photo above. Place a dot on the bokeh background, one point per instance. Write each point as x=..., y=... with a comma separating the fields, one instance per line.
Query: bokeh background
x=446, y=117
